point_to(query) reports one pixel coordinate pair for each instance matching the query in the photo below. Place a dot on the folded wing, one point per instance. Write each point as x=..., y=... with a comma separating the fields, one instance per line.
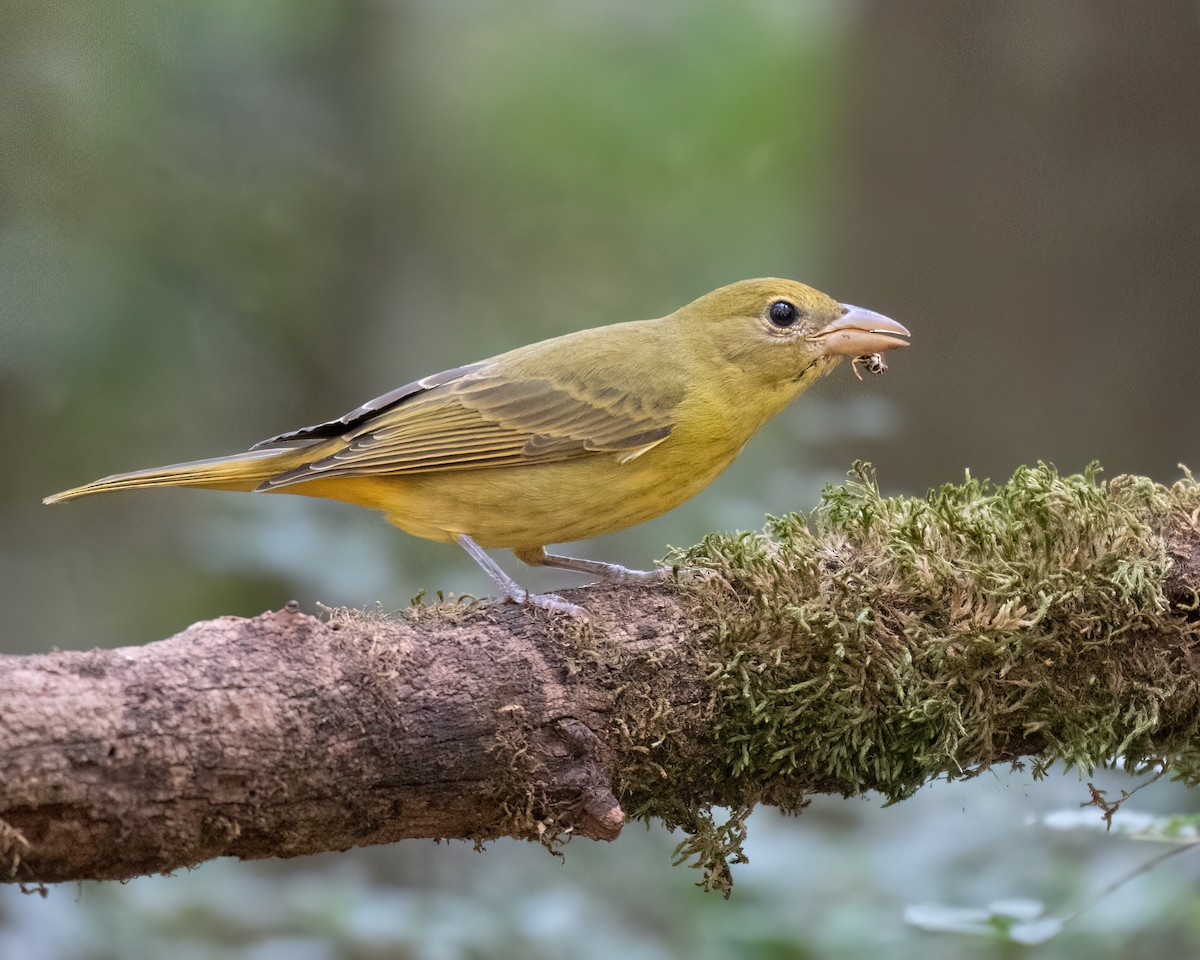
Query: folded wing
x=480, y=417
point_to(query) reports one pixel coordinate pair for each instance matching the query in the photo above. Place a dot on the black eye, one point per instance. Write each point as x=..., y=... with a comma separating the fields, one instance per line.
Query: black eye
x=782, y=313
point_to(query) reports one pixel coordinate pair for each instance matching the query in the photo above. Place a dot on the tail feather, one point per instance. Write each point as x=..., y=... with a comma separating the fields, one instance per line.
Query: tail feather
x=241, y=471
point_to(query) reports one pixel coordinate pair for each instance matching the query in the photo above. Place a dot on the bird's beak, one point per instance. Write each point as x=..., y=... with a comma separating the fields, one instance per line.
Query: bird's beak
x=858, y=332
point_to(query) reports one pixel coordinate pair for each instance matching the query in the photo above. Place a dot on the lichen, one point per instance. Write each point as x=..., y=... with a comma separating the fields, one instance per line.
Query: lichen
x=878, y=643
x=518, y=786
x=13, y=847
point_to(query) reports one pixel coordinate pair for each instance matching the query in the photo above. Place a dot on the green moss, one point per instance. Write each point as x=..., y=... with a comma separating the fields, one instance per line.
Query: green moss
x=878, y=643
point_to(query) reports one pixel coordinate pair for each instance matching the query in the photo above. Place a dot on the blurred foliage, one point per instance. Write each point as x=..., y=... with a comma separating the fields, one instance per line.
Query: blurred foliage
x=234, y=219
x=223, y=220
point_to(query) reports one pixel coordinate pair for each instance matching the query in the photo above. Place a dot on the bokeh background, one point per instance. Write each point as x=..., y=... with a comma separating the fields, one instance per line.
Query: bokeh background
x=221, y=220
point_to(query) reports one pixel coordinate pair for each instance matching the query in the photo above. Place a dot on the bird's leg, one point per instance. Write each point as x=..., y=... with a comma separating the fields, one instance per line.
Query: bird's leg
x=511, y=589
x=538, y=557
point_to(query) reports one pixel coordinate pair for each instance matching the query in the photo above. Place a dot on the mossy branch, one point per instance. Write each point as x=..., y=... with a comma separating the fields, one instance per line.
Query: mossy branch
x=875, y=644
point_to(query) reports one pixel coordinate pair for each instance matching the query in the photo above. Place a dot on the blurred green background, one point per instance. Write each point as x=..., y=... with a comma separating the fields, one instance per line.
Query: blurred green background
x=219, y=221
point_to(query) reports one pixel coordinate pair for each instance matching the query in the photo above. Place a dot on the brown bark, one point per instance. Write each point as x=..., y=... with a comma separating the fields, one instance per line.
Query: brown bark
x=284, y=734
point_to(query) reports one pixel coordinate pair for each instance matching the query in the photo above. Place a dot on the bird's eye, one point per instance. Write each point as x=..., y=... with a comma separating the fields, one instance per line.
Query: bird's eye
x=782, y=313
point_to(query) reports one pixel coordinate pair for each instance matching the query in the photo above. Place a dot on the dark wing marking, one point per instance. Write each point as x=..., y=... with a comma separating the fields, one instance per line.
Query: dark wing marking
x=332, y=429
x=484, y=419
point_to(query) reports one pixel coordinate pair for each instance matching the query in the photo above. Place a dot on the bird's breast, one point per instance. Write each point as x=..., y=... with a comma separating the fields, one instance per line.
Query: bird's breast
x=538, y=504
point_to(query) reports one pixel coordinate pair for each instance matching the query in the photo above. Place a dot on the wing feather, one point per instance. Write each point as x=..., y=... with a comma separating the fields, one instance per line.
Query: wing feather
x=485, y=417
x=336, y=428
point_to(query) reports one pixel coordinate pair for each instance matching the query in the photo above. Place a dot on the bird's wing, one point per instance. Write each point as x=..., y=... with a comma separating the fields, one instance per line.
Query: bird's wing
x=342, y=425
x=482, y=416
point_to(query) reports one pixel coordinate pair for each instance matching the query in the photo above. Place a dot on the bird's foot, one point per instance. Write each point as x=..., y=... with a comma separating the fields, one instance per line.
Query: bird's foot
x=512, y=590
x=538, y=557
x=546, y=601
x=614, y=571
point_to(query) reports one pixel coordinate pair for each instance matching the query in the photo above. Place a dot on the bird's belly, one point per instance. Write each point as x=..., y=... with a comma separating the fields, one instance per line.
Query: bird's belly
x=530, y=505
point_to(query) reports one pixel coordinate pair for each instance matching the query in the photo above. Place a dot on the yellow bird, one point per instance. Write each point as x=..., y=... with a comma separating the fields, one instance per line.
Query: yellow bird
x=565, y=439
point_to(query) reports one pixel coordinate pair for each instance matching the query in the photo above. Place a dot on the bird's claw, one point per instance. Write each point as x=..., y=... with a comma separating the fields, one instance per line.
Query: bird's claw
x=619, y=573
x=546, y=601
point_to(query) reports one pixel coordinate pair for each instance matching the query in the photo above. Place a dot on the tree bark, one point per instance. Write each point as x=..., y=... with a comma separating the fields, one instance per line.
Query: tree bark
x=285, y=734
x=873, y=645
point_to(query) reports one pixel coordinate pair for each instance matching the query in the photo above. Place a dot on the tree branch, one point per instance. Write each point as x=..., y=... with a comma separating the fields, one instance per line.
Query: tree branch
x=873, y=645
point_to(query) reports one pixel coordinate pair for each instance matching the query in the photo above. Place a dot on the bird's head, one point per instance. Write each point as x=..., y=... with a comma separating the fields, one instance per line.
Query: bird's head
x=781, y=332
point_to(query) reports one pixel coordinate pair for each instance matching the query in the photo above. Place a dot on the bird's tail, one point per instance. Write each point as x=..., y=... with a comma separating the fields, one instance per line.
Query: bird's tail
x=242, y=471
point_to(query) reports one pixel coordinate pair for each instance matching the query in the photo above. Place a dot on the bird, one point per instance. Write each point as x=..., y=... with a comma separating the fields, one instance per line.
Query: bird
x=564, y=439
